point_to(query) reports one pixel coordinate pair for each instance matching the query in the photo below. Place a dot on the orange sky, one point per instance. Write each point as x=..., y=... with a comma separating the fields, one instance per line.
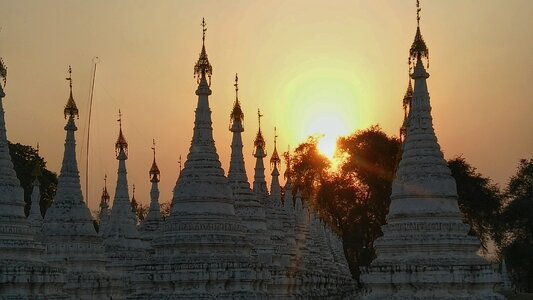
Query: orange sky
x=311, y=66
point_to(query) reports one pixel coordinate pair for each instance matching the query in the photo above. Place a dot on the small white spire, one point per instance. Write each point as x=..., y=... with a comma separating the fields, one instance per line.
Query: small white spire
x=259, y=153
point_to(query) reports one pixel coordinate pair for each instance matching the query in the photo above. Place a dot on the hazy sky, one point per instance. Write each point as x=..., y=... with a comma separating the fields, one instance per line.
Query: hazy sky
x=311, y=66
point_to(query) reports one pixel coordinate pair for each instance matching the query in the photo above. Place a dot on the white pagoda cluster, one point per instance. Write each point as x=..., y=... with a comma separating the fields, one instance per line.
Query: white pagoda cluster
x=226, y=239
x=425, y=251
x=222, y=239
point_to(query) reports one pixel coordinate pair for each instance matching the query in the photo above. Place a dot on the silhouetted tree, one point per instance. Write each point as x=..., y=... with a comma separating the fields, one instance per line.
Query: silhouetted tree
x=355, y=198
x=24, y=159
x=309, y=168
x=518, y=217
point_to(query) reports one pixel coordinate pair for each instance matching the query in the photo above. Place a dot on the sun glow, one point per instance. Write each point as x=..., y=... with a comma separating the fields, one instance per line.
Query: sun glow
x=328, y=127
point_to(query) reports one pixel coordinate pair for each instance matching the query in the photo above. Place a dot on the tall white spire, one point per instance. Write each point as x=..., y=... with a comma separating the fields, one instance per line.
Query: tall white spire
x=259, y=153
x=152, y=223
x=68, y=222
x=124, y=248
x=425, y=242
x=123, y=221
x=122, y=230
x=203, y=242
x=247, y=206
x=275, y=162
x=104, y=214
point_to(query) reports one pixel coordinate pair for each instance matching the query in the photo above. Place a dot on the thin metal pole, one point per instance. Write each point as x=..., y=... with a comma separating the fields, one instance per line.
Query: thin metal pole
x=95, y=61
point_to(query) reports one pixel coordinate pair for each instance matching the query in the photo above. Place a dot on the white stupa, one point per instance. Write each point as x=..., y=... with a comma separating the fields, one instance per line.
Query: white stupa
x=202, y=251
x=247, y=206
x=153, y=222
x=68, y=232
x=123, y=245
x=104, y=213
x=425, y=251
x=259, y=184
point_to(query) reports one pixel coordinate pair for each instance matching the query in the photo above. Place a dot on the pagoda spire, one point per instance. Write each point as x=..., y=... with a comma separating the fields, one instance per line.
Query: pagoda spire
x=237, y=171
x=259, y=153
x=123, y=220
x=275, y=161
x=425, y=236
x=152, y=221
x=202, y=166
x=203, y=69
x=122, y=241
x=202, y=225
x=247, y=206
x=68, y=223
x=103, y=215
x=418, y=49
x=407, y=98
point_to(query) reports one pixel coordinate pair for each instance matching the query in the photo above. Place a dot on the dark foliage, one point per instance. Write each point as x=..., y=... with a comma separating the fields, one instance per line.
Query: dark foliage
x=24, y=159
x=518, y=220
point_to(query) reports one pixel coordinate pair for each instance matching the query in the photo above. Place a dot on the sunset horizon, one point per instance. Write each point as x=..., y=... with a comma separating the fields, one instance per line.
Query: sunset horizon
x=312, y=72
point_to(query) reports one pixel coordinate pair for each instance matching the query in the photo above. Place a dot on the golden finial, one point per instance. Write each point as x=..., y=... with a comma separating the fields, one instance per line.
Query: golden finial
x=70, y=109
x=236, y=112
x=275, y=160
x=259, y=116
x=275, y=136
x=203, y=68
x=204, y=29
x=121, y=143
x=69, y=78
x=105, y=194
x=236, y=85
x=154, y=170
x=418, y=48
x=418, y=9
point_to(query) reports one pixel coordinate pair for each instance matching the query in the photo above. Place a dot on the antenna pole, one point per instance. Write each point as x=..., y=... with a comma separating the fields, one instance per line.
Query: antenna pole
x=95, y=61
